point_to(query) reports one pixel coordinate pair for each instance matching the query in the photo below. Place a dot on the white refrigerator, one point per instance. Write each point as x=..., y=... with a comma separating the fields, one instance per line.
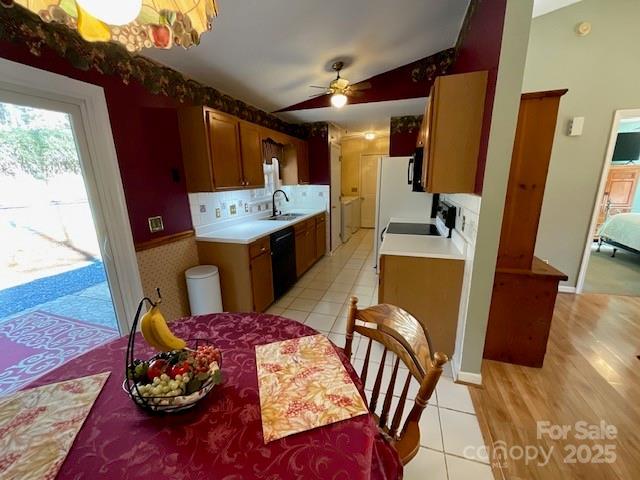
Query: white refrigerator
x=396, y=199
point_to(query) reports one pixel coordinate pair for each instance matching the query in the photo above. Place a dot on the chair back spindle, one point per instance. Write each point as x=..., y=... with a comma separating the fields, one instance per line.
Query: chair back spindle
x=403, y=336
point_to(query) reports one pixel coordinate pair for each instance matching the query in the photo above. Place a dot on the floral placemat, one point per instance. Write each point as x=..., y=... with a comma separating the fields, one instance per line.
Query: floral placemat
x=303, y=385
x=38, y=426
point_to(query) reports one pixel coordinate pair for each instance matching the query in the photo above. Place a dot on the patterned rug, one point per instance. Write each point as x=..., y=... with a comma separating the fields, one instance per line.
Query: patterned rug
x=35, y=343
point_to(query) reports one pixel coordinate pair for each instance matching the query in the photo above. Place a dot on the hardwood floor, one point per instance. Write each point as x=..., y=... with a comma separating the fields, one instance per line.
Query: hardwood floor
x=591, y=373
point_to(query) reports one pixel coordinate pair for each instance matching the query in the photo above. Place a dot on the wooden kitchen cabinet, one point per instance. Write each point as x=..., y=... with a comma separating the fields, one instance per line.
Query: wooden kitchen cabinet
x=321, y=236
x=294, y=169
x=451, y=131
x=225, y=150
x=427, y=288
x=310, y=242
x=220, y=152
x=305, y=245
x=262, y=279
x=251, y=155
x=246, y=278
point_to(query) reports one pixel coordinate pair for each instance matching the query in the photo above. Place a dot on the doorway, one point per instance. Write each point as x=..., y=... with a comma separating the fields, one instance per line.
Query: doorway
x=368, y=188
x=611, y=261
x=336, y=213
x=67, y=282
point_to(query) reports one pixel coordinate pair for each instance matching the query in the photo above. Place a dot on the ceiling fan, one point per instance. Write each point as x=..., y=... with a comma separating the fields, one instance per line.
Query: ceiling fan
x=340, y=88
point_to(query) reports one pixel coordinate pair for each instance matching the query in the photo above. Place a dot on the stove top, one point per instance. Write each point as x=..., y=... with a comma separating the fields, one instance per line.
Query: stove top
x=412, y=229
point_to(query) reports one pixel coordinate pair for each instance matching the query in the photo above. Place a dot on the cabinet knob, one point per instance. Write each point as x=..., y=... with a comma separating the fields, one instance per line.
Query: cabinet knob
x=263, y=249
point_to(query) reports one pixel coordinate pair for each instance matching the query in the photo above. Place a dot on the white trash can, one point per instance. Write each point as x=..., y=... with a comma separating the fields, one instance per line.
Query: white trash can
x=203, y=285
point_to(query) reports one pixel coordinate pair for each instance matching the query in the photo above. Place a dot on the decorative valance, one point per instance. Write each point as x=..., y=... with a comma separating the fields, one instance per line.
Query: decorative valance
x=272, y=149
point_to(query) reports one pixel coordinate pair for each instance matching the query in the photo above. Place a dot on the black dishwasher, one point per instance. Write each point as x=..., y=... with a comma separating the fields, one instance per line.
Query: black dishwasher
x=283, y=260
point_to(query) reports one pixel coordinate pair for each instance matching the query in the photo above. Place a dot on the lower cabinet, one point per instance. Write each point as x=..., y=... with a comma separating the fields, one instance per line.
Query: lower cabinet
x=245, y=272
x=310, y=242
x=427, y=288
x=321, y=236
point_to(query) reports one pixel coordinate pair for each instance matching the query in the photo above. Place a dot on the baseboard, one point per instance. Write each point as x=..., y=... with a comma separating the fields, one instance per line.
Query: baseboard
x=468, y=377
x=464, y=377
x=566, y=289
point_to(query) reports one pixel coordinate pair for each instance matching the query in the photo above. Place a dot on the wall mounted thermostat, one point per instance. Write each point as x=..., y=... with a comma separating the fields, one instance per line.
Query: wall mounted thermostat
x=155, y=224
x=576, y=124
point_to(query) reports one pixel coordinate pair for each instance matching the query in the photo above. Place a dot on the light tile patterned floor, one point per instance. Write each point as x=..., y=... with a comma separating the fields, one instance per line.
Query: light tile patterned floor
x=451, y=442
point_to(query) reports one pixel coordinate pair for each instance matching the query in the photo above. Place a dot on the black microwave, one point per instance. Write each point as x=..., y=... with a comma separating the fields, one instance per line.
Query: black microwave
x=414, y=171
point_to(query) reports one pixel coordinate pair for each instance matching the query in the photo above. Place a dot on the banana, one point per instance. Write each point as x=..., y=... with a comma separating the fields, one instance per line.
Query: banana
x=166, y=341
x=147, y=329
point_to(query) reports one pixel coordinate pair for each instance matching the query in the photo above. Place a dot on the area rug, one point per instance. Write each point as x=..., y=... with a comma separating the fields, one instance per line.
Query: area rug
x=38, y=342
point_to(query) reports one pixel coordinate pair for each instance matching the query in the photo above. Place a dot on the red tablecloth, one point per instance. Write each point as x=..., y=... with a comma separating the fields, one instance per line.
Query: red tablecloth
x=221, y=437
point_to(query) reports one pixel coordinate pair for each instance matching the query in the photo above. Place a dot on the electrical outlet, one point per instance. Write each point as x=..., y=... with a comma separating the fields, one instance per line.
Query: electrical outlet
x=203, y=209
x=354, y=189
x=218, y=213
x=233, y=209
x=246, y=208
x=259, y=207
x=155, y=224
x=464, y=222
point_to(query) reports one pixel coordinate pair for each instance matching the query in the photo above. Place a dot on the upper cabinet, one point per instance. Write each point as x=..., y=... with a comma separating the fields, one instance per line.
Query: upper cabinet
x=450, y=132
x=222, y=152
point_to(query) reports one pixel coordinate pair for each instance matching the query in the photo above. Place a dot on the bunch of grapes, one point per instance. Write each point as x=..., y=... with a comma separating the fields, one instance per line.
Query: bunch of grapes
x=164, y=386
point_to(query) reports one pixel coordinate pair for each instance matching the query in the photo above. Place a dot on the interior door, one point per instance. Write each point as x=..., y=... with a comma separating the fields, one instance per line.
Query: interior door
x=336, y=185
x=368, y=187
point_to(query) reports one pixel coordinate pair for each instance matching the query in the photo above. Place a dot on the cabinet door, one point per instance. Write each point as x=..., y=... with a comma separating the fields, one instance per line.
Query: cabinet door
x=310, y=240
x=303, y=161
x=251, y=149
x=321, y=237
x=225, y=150
x=300, y=252
x=262, y=282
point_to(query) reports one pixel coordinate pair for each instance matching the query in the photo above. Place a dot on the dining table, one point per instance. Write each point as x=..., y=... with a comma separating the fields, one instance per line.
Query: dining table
x=221, y=436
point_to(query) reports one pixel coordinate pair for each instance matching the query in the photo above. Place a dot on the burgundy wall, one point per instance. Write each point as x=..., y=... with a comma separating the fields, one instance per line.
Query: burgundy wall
x=146, y=137
x=480, y=50
x=403, y=144
x=319, y=159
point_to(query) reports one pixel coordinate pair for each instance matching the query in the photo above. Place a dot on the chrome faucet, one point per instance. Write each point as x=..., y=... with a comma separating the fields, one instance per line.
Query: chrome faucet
x=273, y=201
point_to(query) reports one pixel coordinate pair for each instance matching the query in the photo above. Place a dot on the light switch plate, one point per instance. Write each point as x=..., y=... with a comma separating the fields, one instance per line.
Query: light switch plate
x=155, y=224
x=203, y=209
x=218, y=213
x=233, y=209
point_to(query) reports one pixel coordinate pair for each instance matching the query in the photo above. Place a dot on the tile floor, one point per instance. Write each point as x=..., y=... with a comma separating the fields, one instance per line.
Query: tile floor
x=451, y=445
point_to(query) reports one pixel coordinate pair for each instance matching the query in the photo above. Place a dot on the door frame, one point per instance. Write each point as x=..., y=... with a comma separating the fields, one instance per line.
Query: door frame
x=618, y=116
x=87, y=107
x=335, y=147
x=378, y=158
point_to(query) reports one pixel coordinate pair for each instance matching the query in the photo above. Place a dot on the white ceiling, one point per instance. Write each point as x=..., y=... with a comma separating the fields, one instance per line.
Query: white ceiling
x=540, y=7
x=267, y=53
x=361, y=117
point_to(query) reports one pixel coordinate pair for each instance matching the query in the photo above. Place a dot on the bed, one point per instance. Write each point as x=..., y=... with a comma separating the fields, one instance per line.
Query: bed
x=621, y=231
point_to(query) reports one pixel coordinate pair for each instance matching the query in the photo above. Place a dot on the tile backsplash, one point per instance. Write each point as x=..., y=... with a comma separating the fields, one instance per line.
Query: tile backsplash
x=211, y=208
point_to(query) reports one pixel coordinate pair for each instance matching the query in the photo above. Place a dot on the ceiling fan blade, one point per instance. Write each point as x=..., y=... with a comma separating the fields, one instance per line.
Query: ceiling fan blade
x=317, y=86
x=317, y=95
x=354, y=93
x=360, y=86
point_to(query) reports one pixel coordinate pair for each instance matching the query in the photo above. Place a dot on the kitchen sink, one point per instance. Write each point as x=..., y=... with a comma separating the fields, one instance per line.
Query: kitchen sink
x=285, y=217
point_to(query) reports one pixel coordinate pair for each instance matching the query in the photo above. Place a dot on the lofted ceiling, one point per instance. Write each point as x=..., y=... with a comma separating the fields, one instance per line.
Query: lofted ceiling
x=267, y=53
x=542, y=7
x=361, y=117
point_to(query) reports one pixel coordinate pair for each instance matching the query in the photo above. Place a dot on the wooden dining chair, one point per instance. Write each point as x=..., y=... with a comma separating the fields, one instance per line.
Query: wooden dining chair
x=400, y=333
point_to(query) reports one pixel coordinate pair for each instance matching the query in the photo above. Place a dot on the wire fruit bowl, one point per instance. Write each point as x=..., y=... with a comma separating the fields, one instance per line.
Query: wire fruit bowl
x=140, y=392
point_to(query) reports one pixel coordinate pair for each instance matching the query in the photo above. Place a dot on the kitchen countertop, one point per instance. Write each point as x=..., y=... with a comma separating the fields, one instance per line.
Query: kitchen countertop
x=422, y=245
x=251, y=230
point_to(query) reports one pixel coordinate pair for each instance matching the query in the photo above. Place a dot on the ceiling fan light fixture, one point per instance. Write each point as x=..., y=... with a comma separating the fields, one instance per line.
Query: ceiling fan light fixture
x=113, y=12
x=338, y=100
x=369, y=136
